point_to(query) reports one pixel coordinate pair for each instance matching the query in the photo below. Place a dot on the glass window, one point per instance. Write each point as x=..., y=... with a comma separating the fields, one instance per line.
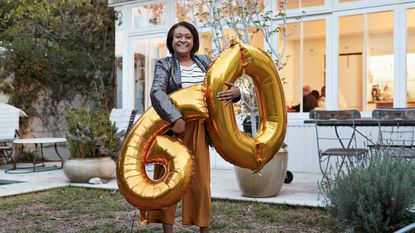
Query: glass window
x=118, y=64
x=410, y=57
x=186, y=9
x=146, y=53
x=205, y=43
x=290, y=72
x=294, y=4
x=148, y=16
x=256, y=37
x=304, y=61
x=314, y=50
x=351, y=46
x=380, y=59
x=373, y=88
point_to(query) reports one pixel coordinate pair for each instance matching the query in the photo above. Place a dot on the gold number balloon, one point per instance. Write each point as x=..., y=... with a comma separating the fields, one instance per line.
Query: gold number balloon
x=234, y=146
x=145, y=143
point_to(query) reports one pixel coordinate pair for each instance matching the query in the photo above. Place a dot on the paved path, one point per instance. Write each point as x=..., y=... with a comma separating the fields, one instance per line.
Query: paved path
x=302, y=191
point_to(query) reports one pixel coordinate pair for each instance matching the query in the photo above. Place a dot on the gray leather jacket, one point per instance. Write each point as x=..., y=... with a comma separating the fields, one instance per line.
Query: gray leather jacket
x=167, y=79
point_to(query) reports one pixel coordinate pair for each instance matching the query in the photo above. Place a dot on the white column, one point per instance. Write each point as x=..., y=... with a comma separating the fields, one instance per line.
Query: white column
x=127, y=62
x=332, y=51
x=399, y=48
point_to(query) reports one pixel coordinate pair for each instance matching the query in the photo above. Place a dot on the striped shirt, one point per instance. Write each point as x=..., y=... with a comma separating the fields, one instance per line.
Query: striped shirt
x=191, y=75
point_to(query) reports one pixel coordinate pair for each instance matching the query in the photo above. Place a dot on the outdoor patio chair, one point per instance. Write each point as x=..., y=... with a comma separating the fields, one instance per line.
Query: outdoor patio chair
x=124, y=120
x=396, y=127
x=338, y=151
x=9, y=126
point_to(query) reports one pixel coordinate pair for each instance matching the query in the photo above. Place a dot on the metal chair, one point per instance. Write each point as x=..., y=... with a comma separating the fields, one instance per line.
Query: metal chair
x=338, y=151
x=396, y=127
x=124, y=120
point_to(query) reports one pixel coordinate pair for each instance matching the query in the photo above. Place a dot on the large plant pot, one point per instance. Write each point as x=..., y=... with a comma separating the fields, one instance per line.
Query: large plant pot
x=82, y=170
x=268, y=181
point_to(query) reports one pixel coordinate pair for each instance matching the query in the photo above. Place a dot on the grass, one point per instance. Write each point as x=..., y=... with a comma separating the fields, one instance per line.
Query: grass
x=93, y=210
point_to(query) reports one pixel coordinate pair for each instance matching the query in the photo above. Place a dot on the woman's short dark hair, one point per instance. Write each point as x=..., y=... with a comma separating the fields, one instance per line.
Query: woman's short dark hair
x=191, y=28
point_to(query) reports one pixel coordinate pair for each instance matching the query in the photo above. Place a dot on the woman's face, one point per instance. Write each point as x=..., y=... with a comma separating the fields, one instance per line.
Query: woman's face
x=182, y=41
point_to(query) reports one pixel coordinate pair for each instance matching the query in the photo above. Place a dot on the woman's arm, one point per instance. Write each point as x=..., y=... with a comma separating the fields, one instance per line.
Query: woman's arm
x=158, y=93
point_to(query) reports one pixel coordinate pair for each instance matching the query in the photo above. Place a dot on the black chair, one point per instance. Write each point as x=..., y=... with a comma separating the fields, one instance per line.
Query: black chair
x=124, y=120
x=338, y=151
x=396, y=127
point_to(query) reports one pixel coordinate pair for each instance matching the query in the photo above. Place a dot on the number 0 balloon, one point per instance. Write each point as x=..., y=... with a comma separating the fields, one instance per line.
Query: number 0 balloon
x=146, y=144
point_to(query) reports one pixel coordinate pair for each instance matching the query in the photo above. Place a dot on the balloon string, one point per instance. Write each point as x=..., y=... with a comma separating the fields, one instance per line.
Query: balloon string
x=132, y=224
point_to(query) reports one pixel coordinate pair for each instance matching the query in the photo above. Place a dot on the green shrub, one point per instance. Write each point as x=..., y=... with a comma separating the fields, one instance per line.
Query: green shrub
x=375, y=198
x=90, y=134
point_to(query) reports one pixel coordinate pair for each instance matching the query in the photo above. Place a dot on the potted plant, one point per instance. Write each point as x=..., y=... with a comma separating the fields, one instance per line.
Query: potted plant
x=92, y=138
x=269, y=180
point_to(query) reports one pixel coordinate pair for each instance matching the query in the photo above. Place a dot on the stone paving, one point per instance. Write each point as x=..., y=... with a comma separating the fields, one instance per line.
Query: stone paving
x=302, y=191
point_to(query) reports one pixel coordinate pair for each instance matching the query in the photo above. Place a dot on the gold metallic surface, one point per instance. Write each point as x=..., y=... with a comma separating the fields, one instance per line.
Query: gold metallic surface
x=234, y=146
x=144, y=145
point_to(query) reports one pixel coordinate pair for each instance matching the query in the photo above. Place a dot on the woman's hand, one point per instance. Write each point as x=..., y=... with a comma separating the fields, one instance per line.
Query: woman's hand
x=179, y=126
x=232, y=93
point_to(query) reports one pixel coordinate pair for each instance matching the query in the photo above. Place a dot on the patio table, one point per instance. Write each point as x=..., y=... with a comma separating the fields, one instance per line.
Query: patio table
x=42, y=142
x=361, y=122
x=364, y=121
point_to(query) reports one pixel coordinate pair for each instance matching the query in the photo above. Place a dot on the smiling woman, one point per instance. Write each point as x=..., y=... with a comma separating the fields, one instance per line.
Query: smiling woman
x=184, y=68
x=183, y=43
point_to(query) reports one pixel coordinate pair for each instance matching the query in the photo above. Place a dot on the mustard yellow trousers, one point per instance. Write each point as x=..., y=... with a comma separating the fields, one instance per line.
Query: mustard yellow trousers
x=196, y=201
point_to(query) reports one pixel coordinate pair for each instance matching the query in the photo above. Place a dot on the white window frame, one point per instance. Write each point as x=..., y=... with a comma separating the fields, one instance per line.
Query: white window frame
x=399, y=45
x=128, y=57
x=400, y=22
x=129, y=98
x=328, y=61
x=150, y=30
x=327, y=6
x=337, y=6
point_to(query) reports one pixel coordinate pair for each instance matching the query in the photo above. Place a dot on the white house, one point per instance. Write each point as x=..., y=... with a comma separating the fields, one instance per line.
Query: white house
x=361, y=51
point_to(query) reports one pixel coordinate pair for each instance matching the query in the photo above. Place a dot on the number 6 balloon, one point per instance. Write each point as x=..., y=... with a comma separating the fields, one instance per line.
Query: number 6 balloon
x=146, y=144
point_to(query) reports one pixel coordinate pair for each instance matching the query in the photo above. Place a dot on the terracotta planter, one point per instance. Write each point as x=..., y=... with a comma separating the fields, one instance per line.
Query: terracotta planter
x=82, y=170
x=266, y=183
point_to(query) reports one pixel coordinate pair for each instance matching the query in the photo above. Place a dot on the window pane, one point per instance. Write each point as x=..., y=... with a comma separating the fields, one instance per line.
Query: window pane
x=290, y=73
x=294, y=4
x=410, y=57
x=314, y=50
x=351, y=46
x=308, y=3
x=146, y=53
x=205, y=43
x=312, y=58
x=186, y=9
x=380, y=59
x=256, y=37
x=118, y=64
x=148, y=16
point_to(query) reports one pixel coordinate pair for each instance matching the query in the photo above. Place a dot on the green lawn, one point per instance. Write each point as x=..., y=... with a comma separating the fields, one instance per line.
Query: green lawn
x=94, y=210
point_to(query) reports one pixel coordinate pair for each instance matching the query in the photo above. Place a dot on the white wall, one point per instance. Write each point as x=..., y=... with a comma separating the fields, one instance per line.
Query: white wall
x=3, y=98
